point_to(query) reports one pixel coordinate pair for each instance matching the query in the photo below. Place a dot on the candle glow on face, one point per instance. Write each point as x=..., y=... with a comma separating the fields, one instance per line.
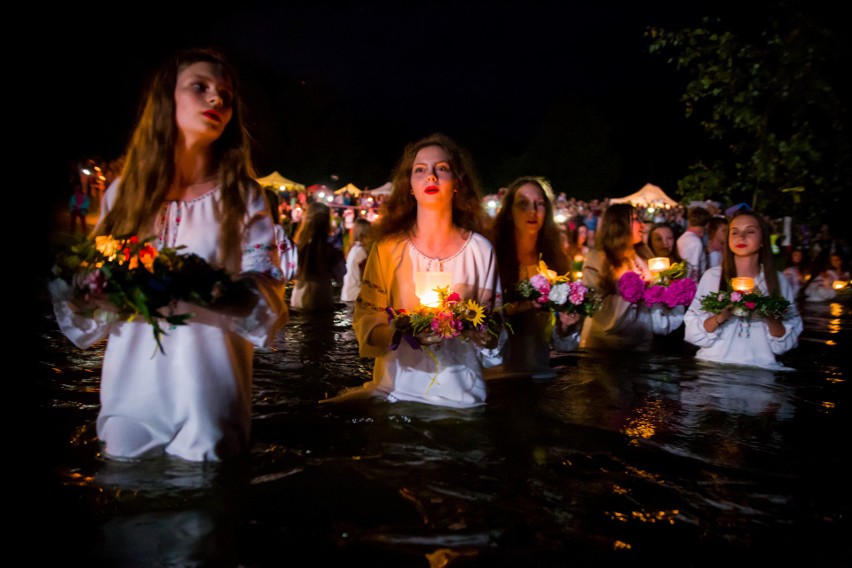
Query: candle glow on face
x=742, y=284
x=425, y=284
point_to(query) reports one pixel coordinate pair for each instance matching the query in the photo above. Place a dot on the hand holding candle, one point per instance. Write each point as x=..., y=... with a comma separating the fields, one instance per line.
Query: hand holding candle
x=839, y=284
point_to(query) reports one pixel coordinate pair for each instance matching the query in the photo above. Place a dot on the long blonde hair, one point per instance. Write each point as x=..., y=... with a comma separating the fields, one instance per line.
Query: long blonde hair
x=149, y=162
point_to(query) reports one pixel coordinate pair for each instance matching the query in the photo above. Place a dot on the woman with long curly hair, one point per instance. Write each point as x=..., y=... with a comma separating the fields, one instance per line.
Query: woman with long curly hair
x=187, y=182
x=431, y=222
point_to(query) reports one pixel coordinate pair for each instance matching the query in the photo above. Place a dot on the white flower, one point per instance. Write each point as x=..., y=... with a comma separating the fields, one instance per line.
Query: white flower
x=559, y=293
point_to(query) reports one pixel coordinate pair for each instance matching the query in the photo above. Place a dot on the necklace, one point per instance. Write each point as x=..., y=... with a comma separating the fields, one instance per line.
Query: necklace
x=201, y=182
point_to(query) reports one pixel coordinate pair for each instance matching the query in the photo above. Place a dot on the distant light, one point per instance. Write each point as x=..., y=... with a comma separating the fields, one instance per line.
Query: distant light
x=560, y=217
x=86, y=171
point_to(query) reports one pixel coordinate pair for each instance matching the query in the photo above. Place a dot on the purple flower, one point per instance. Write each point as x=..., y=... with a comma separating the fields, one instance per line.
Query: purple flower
x=631, y=287
x=95, y=282
x=655, y=295
x=680, y=292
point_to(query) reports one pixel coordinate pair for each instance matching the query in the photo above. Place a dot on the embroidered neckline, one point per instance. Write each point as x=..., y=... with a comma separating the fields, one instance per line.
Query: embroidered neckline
x=440, y=261
x=194, y=199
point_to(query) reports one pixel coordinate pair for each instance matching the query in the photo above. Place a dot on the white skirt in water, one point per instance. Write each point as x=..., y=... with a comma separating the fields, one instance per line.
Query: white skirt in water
x=447, y=374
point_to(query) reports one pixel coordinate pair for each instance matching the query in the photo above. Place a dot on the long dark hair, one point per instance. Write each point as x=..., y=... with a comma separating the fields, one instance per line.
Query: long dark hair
x=398, y=211
x=502, y=233
x=149, y=160
x=729, y=267
x=312, y=244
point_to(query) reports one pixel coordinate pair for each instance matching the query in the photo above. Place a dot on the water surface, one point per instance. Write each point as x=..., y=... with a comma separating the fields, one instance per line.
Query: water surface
x=618, y=460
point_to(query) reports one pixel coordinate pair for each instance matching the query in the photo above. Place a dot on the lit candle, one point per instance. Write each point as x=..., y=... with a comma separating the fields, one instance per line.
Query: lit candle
x=578, y=275
x=579, y=258
x=838, y=284
x=427, y=283
x=742, y=284
x=658, y=264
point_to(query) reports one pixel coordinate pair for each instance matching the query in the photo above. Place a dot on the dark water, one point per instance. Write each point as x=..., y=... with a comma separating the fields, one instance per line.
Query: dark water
x=618, y=461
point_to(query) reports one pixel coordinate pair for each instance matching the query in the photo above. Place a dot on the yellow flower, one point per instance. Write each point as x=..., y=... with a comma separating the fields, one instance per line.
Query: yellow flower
x=551, y=275
x=474, y=313
x=107, y=246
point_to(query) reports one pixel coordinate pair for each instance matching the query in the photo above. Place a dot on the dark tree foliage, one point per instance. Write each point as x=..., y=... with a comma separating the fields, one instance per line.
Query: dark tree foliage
x=769, y=98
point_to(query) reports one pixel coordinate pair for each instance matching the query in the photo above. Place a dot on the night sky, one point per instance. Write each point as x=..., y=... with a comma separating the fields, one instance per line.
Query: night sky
x=340, y=88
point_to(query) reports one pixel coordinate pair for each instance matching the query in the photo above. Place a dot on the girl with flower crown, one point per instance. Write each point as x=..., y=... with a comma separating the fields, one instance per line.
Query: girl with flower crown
x=525, y=233
x=431, y=222
x=621, y=324
x=187, y=182
x=726, y=338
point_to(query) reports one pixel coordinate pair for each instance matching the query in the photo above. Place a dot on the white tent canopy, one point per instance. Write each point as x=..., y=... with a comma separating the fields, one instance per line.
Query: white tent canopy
x=278, y=181
x=385, y=189
x=648, y=195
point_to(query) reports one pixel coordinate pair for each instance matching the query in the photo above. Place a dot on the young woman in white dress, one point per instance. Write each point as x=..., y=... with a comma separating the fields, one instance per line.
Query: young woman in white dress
x=432, y=221
x=726, y=338
x=187, y=181
x=621, y=325
x=524, y=232
x=356, y=259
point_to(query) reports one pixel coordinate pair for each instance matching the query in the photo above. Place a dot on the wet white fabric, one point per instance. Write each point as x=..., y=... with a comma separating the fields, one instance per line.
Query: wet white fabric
x=194, y=400
x=740, y=341
x=412, y=374
x=352, y=278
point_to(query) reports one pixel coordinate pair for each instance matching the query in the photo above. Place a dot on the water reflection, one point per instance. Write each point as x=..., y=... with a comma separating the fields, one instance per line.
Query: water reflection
x=634, y=458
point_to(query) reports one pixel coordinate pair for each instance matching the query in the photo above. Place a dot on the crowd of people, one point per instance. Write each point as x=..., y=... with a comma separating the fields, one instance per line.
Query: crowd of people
x=189, y=181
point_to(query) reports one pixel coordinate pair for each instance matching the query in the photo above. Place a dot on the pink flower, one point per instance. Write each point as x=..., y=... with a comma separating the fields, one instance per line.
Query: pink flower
x=541, y=284
x=631, y=287
x=735, y=296
x=577, y=292
x=446, y=325
x=94, y=282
